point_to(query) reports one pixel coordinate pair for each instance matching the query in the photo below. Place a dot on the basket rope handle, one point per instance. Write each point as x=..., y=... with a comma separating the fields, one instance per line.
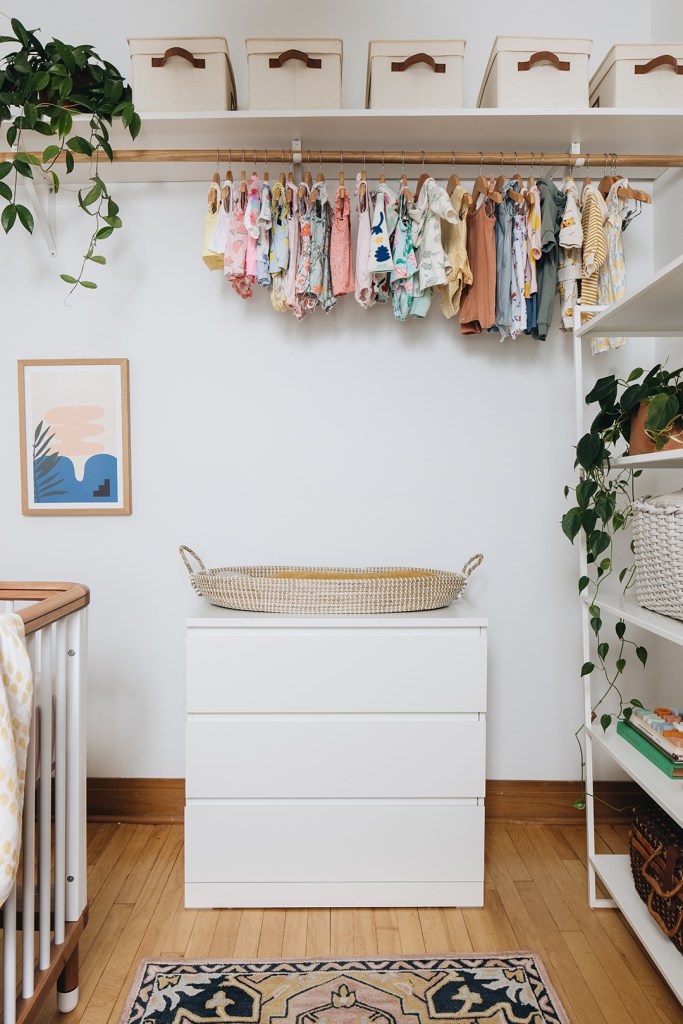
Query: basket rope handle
x=662, y=924
x=672, y=855
x=471, y=564
x=182, y=549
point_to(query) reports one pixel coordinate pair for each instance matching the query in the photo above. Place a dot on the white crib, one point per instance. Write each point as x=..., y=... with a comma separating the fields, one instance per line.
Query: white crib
x=44, y=917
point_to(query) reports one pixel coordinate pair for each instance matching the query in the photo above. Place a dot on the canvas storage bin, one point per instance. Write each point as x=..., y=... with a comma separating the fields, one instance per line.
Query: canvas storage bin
x=656, y=853
x=412, y=74
x=530, y=71
x=294, y=74
x=192, y=73
x=658, y=542
x=639, y=75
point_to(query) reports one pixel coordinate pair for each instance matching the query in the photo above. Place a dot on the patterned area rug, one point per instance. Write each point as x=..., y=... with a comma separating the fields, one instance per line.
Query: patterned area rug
x=501, y=988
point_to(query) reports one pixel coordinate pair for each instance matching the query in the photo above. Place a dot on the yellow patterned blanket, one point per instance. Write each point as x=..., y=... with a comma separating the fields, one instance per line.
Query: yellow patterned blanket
x=16, y=703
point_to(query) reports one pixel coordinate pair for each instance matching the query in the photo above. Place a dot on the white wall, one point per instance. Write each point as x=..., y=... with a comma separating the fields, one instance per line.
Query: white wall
x=349, y=439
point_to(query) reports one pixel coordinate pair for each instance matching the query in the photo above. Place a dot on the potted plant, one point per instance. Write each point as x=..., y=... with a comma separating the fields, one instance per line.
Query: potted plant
x=604, y=507
x=42, y=87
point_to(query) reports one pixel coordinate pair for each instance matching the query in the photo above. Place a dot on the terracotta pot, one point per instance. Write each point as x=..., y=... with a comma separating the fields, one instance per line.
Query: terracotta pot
x=640, y=443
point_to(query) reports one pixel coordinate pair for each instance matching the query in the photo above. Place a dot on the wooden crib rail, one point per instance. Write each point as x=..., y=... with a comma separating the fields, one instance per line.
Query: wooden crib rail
x=52, y=601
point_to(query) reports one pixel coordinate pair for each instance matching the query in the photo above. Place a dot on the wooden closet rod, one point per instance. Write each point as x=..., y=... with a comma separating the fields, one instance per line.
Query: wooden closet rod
x=359, y=156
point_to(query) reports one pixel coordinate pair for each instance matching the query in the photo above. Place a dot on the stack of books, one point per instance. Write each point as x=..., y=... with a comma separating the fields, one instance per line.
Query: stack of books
x=658, y=736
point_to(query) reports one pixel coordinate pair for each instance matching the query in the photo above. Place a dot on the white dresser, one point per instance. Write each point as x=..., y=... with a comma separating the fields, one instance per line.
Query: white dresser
x=335, y=761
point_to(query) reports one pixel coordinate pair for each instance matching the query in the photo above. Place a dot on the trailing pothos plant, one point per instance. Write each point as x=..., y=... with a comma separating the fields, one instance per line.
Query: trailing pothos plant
x=42, y=87
x=603, y=509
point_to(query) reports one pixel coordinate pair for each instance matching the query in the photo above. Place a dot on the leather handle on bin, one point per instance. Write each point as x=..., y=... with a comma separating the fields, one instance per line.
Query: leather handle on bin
x=664, y=60
x=178, y=51
x=672, y=853
x=310, y=62
x=667, y=931
x=418, y=58
x=543, y=57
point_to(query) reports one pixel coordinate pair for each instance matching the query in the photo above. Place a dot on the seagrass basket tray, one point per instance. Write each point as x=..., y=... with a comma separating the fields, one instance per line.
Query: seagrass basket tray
x=658, y=544
x=300, y=590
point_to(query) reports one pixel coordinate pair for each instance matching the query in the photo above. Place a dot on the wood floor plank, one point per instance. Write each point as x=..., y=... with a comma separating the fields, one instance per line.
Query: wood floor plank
x=249, y=933
x=412, y=939
x=202, y=934
x=365, y=931
x=515, y=864
x=457, y=936
x=272, y=932
x=433, y=930
x=387, y=934
x=342, y=942
x=225, y=936
x=296, y=928
x=318, y=932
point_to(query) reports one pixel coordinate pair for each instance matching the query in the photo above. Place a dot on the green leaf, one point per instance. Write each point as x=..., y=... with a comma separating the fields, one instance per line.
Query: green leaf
x=113, y=209
x=8, y=217
x=98, y=259
x=87, y=284
x=25, y=217
x=127, y=111
x=26, y=158
x=94, y=194
x=596, y=625
x=135, y=125
x=605, y=722
x=634, y=374
x=627, y=713
x=50, y=153
x=641, y=654
x=662, y=410
x=5, y=191
x=77, y=144
x=636, y=703
x=621, y=664
x=589, y=451
x=41, y=81
x=571, y=523
x=602, y=389
x=5, y=168
x=620, y=629
x=68, y=278
x=20, y=32
x=566, y=491
x=594, y=610
x=69, y=158
x=587, y=668
x=114, y=222
x=11, y=134
x=580, y=805
x=606, y=564
x=583, y=583
x=598, y=542
x=23, y=169
x=588, y=520
x=104, y=232
x=585, y=491
x=632, y=397
x=603, y=650
x=605, y=504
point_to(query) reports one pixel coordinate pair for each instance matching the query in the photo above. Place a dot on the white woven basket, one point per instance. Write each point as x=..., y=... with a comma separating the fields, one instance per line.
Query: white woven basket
x=268, y=588
x=658, y=542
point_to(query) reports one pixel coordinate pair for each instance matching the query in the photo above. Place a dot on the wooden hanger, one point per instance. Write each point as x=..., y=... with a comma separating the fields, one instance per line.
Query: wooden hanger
x=243, y=182
x=453, y=183
x=214, y=192
x=481, y=188
x=342, y=188
x=315, y=194
x=634, y=193
x=420, y=182
x=363, y=187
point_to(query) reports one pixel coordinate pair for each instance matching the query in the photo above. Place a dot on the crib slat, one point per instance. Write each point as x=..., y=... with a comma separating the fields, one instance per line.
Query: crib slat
x=76, y=871
x=29, y=851
x=44, y=855
x=9, y=929
x=60, y=779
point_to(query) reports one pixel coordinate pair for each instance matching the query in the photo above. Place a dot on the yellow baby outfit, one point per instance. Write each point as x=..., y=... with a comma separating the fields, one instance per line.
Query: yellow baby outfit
x=16, y=705
x=454, y=241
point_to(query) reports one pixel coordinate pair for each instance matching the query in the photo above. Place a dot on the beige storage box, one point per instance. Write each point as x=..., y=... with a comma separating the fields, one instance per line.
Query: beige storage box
x=192, y=73
x=294, y=74
x=532, y=71
x=406, y=74
x=639, y=75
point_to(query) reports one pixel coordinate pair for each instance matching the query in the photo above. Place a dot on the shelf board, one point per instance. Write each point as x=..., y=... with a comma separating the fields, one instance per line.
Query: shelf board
x=491, y=130
x=614, y=871
x=628, y=609
x=668, y=793
x=653, y=310
x=654, y=460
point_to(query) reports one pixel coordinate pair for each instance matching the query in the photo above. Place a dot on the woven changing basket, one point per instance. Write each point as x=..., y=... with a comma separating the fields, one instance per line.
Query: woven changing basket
x=298, y=590
x=656, y=849
x=658, y=542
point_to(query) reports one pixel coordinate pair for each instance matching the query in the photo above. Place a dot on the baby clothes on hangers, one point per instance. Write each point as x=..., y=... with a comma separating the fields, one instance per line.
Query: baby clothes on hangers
x=278, y=256
x=213, y=258
x=519, y=321
x=341, y=253
x=265, y=221
x=593, y=219
x=251, y=217
x=294, y=232
x=612, y=274
x=303, y=301
x=454, y=241
x=220, y=232
x=236, y=247
x=432, y=206
x=364, y=291
x=533, y=254
x=383, y=223
x=571, y=240
x=505, y=212
x=402, y=277
x=319, y=286
x=552, y=207
x=478, y=302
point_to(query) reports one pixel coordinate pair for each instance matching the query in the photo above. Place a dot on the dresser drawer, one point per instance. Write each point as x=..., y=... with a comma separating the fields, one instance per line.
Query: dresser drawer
x=336, y=670
x=336, y=756
x=343, y=841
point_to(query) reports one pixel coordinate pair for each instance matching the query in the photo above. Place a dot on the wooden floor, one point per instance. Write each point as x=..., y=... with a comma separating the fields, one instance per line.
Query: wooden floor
x=535, y=900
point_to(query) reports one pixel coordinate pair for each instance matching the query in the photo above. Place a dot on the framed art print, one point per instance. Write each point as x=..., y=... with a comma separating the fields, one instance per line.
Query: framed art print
x=75, y=437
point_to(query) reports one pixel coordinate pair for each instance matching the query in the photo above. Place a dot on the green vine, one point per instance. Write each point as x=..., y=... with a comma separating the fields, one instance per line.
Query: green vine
x=48, y=84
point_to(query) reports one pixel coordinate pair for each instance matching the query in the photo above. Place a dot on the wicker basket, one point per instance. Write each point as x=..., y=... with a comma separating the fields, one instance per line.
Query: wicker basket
x=658, y=542
x=656, y=850
x=297, y=590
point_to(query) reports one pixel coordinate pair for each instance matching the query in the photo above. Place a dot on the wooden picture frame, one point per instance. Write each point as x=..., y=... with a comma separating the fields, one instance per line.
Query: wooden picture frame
x=74, y=429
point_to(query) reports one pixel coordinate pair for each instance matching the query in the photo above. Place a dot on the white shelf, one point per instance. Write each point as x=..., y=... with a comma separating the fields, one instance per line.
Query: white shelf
x=628, y=609
x=667, y=792
x=655, y=460
x=614, y=870
x=597, y=131
x=654, y=310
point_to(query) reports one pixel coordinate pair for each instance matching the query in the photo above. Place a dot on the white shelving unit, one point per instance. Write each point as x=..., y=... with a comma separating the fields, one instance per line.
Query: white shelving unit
x=655, y=309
